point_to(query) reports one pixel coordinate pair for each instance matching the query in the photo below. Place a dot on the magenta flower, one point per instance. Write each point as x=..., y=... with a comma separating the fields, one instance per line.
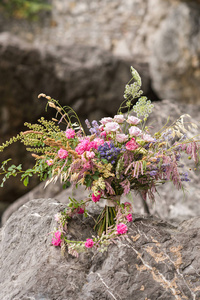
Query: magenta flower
x=96, y=198
x=62, y=154
x=129, y=217
x=89, y=243
x=49, y=162
x=80, y=211
x=121, y=228
x=132, y=145
x=56, y=240
x=70, y=133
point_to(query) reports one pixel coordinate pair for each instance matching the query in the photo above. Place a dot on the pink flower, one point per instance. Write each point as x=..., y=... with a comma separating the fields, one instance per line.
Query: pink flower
x=49, y=162
x=62, y=154
x=133, y=120
x=80, y=211
x=103, y=134
x=132, y=145
x=129, y=217
x=119, y=119
x=121, y=137
x=88, y=155
x=104, y=121
x=89, y=243
x=111, y=126
x=56, y=240
x=148, y=138
x=57, y=217
x=82, y=146
x=134, y=131
x=98, y=142
x=96, y=198
x=70, y=133
x=121, y=228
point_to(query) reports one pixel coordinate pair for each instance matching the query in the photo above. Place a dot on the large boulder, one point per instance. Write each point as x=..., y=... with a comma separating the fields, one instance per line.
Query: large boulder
x=155, y=261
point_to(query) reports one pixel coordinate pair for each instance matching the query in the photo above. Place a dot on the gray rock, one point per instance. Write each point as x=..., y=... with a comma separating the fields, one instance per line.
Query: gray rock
x=174, y=54
x=156, y=261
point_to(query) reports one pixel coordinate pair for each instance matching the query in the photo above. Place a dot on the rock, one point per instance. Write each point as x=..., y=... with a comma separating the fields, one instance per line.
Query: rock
x=173, y=54
x=156, y=261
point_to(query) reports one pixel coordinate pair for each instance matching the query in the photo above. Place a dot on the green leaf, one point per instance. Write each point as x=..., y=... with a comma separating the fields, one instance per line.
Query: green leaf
x=26, y=181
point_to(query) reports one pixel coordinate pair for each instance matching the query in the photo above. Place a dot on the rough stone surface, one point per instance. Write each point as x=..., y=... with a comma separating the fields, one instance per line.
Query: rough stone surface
x=165, y=34
x=156, y=261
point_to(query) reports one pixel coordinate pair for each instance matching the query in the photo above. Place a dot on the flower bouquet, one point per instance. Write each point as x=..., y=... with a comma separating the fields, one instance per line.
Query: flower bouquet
x=117, y=155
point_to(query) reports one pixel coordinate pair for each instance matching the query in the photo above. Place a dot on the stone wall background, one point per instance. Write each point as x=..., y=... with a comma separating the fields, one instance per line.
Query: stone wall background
x=81, y=52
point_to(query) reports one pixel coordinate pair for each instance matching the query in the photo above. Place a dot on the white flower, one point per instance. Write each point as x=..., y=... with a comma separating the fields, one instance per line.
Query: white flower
x=111, y=126
x=134, y=131
x=121, y=137
x=133, y=120
x=148, y=138
x=106, y=120
x=119, y=118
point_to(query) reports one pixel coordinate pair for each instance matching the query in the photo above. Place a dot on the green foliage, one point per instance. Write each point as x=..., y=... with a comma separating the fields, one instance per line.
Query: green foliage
x=24, y=9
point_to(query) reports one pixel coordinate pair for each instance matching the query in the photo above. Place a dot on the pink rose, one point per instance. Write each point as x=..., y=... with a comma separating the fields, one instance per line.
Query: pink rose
x=148, y=138
x=89, y=243
x=121, y=228
x=129, y=217
x=111, y=126
x=56, y=240
x=132, y=145
x=62, y=154
x=134, y=131
x=69, y=133
x=104, y=121
x=121, y=137
x=133, y=120
x=119, y=119
x=49, y=162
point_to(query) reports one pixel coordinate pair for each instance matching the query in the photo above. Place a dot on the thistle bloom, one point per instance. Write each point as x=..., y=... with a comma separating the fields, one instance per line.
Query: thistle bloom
x=56, y=240
x=70, y=133
x=89, y=243
x=133, y=120
x=62, y=154
x=132, y=145
x=121, y=228
x=49, y=162
x=134, y=131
